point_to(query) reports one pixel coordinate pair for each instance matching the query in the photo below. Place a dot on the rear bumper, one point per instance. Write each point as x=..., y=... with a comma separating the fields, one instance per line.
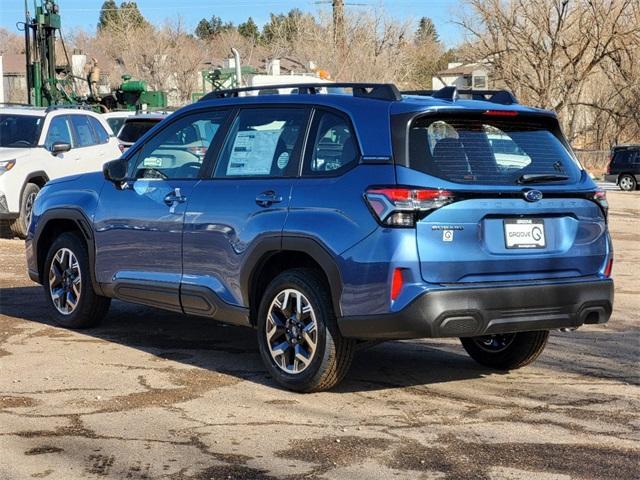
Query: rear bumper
x=469, y=312
x=611, y=178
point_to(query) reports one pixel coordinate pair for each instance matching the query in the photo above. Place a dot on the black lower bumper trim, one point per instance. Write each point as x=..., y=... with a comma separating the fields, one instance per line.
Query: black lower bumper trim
x=469, y=312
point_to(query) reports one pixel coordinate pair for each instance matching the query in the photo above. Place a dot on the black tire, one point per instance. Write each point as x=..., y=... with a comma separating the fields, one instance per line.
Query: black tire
x=627, y=182
x=521, y=349
x=333, y=353
x=90, y=308
x=20, y=225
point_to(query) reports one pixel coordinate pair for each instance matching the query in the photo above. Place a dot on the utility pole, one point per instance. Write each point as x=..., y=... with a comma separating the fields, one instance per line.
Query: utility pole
x=339, y=37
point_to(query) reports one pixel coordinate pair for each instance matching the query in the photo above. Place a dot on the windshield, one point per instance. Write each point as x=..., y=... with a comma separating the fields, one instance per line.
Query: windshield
x=19, y=131
x=497, y=151
x=134, y=129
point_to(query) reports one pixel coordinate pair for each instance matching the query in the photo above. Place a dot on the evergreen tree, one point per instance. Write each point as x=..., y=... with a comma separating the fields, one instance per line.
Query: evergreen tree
x=283, y=26
x=203, y=30
x=249, y=29
x=130, y=14
x=426, y=32
x=108, y=14
x=121, y=18
x=209, y=28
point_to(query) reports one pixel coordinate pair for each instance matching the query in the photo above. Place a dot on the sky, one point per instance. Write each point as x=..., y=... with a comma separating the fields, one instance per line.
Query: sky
x=84, y=13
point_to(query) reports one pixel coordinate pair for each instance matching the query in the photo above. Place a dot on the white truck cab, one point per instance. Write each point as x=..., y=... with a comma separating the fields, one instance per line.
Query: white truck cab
x=40, y=144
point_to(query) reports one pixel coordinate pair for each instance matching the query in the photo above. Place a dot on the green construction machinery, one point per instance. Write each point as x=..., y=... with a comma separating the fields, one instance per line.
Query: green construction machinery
x=220, y=79
x=132, y=94
x=51, y=84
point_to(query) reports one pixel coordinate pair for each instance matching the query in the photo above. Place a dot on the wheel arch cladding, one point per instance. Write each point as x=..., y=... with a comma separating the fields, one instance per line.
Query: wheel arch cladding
x=271, y=258
x=38, y=178
x=55, y=222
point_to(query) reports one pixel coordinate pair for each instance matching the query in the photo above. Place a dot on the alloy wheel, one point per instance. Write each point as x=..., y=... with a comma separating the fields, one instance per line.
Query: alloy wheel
x=495, y=343
x=65, y=281
x=28, y=206
x=291, y=331
x=626, y=183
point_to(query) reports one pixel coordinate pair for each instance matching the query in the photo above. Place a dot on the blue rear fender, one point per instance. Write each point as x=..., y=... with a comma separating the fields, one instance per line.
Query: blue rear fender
x=367, y=269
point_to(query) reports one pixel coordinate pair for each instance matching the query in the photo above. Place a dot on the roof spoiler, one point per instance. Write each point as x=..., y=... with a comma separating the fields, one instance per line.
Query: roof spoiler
x=379, y=91
x=451, y=94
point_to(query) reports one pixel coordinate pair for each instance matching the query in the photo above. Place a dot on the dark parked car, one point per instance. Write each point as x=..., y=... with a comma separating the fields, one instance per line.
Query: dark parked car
x=135, y=127
x=624, y=167
x=324, y=220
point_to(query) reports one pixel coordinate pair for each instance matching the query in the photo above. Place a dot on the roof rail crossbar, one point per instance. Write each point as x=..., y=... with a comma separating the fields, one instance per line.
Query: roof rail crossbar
x=503, y=97
x=380, y=91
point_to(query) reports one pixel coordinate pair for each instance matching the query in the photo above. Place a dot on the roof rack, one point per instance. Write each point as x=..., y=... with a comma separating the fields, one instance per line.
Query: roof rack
x=51, y=108
x=503, y=97
x=379, y=91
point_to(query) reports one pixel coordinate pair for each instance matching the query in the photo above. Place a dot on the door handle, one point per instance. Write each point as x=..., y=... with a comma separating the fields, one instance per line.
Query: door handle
x=174, y=197
x=268, y=198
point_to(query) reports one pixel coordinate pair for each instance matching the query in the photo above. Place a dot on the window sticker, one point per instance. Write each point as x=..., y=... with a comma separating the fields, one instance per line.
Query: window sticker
x=253, y=152
x=152, y=162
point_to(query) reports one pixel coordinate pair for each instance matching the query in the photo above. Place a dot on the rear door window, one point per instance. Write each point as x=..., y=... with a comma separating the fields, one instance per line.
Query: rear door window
x=263, y=142
x=101, y=134
x=83, y=131
x=488, y=151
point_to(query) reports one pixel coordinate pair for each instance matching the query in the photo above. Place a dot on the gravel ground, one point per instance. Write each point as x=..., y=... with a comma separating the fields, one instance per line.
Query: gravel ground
x=153, y=395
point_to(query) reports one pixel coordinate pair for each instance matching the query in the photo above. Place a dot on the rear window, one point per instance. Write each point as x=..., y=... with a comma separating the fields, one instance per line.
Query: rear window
x=132, y=130
x=488, y=151
x=116, y=123
x=625, y=158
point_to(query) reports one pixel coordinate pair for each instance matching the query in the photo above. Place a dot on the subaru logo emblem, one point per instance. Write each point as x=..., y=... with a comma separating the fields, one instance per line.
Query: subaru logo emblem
x=533, y=195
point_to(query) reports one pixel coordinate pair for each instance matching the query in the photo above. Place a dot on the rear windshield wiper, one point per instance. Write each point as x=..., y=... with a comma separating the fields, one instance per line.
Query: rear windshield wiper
x=541, y=178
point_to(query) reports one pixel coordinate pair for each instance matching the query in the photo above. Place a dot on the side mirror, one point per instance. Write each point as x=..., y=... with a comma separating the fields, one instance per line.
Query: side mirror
x=60, y=147
x=115, y=171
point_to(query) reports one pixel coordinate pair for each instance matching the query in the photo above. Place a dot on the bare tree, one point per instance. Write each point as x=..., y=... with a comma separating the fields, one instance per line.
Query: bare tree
x=556, y=54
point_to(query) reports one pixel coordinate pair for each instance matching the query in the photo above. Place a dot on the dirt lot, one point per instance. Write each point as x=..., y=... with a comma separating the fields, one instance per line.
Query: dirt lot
x=153, y=395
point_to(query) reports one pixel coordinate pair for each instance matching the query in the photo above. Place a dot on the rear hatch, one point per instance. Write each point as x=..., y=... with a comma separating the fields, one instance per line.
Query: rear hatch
x=518, y=206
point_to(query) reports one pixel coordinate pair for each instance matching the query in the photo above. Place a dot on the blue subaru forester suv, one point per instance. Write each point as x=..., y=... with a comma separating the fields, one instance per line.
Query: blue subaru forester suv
x=335, y=215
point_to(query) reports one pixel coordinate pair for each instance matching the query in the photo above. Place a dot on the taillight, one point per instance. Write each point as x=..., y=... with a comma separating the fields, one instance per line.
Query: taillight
x=609, y=267
x=600, y=197
x=609, y=164
x=403, y=206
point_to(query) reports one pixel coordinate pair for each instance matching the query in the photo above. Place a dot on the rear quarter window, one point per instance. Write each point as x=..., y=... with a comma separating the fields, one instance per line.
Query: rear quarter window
x=626, y=158
x=494, y=151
